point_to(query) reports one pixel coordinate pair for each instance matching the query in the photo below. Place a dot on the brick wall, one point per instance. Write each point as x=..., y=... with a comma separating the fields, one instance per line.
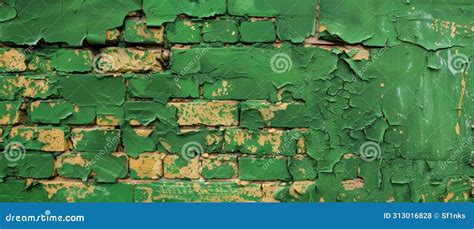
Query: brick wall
x=235, y=100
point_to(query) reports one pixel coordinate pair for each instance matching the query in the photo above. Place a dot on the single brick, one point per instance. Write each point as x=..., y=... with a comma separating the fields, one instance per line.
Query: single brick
x=184, y=142
x=279, y=142
x=24, y=192
x=220, y=31
x=12, y=60
x=263, y=169
x=218, y=166
x=73, y=166
x=183, y=31
x=162, y=87
x=181, y=167
x=239, y=89
x=9, y=112
x=214, y=113
x=295, y=29
x=302, y=168
x=50, y=111
x=49, y=139
x=131, y=59
x=81, y=115
x=66, y=191
x=148, y=166
x=9, y=88
x=257, y=31
x=30, y=86
x=196, y=191
x=145, y=112
x=108, y=167
x=112, y=36
x=89, y=90
x=95, y=139
x=26, y=164
x=62, y=60
x=270, y=190
x=259, y=114
x=104, y=167
x=137, y=31
x=138, y=140
x=110, y=115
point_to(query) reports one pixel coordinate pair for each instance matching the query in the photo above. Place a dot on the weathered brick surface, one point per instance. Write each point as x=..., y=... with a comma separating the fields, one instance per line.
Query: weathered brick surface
x=236, y=101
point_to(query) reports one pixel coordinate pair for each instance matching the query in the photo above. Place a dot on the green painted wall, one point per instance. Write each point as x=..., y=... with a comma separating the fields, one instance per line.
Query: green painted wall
x=236, y=100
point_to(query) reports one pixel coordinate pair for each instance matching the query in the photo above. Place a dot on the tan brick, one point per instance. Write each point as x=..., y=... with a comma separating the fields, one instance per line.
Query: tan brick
x=176, y=166
x=131, y=59
x=215, y=113
x=147, y=166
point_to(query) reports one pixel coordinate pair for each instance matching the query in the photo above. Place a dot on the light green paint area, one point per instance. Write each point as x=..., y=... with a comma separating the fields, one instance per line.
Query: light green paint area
x=195, y=191
x=265, y=169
